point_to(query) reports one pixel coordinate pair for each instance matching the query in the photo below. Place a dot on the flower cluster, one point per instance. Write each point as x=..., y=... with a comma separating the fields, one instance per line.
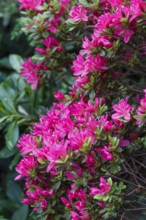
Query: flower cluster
x=73, y=155
x=44, y=23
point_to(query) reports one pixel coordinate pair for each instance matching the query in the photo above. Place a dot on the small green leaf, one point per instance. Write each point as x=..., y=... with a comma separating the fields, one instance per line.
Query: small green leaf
x=6, y=91
x=102, y=197
x=85, y=3
x=109, y=180
x=114, y=141
x=6, y=204
x=14, y=161
x=9, y=105
x=21, y=213
x=6, y=152
x=16, y=62
x=122, y=186
x=98, y=197
x=12, y=135
x=14, y=192
x=2, y=119
x=92, y=94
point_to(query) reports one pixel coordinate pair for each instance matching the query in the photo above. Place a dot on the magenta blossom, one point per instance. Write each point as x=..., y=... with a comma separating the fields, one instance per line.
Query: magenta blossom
x=25, y=167
x=49, y=43
x=31, y=4
x=104, y=187
x=78, y=66
x=78, y=14
x=141, y=111
x=27, y=144
x=116, y=3
x=31, y=71
x=124, y=32
x=122, y=110
x=59, y=95
x=105, y=154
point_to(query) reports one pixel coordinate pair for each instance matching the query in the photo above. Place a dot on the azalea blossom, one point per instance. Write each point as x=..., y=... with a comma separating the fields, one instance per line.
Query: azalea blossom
x=78, y=14
x=25, y=167
x=122, y=110
x=31, y=71
x=31, y=4
x=141, y=111
x=104, y=187
x=105, y=154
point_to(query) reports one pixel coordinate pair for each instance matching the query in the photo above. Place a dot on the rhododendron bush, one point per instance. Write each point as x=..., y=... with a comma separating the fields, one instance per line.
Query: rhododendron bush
x=85, y=158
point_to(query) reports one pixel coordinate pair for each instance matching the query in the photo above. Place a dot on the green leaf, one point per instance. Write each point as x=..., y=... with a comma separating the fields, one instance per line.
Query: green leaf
x=12, y=135
x=9, y=105
x=14, y=161
x=98, y=197
x=122, y=186
x=109, y=180
x=14, y=192
x=85, y=3
x=4, y=62
x=21, y=213
x=2, y=119
x=114, y=141
x=16, y=62
x=92, y=94
x=5, y=152
x=101, y=197
x=6, y=91
x=6, y=204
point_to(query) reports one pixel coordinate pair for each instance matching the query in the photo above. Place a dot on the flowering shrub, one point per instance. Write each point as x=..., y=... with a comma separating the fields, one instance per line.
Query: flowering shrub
x=81, y=161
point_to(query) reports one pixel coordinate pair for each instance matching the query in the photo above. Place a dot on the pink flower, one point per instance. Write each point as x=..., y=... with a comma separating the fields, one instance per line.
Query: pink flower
x=27, y=201
x=137, y=8
x=78, y=14
x=31, y=71
x=65, y=202
x=79, y=66
x=31, y=4
x=101, y=41
x=56, y=152
x=105, y=154
x=53, y=24
x=74, y=215
x=91, y=160
x=82, y=81
x=25, y=167
x=122, y=110
x=49, y=42
x=104, y=187
x=95, y=63
x=141, y=111
x=64, y=4
x=59, y=95
x=86, y=44
x=124, y=32
x=106, y=125
x=70, y=176
x=105, y=21
x=116, y=3
x=79, y=138
x=27, y=144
